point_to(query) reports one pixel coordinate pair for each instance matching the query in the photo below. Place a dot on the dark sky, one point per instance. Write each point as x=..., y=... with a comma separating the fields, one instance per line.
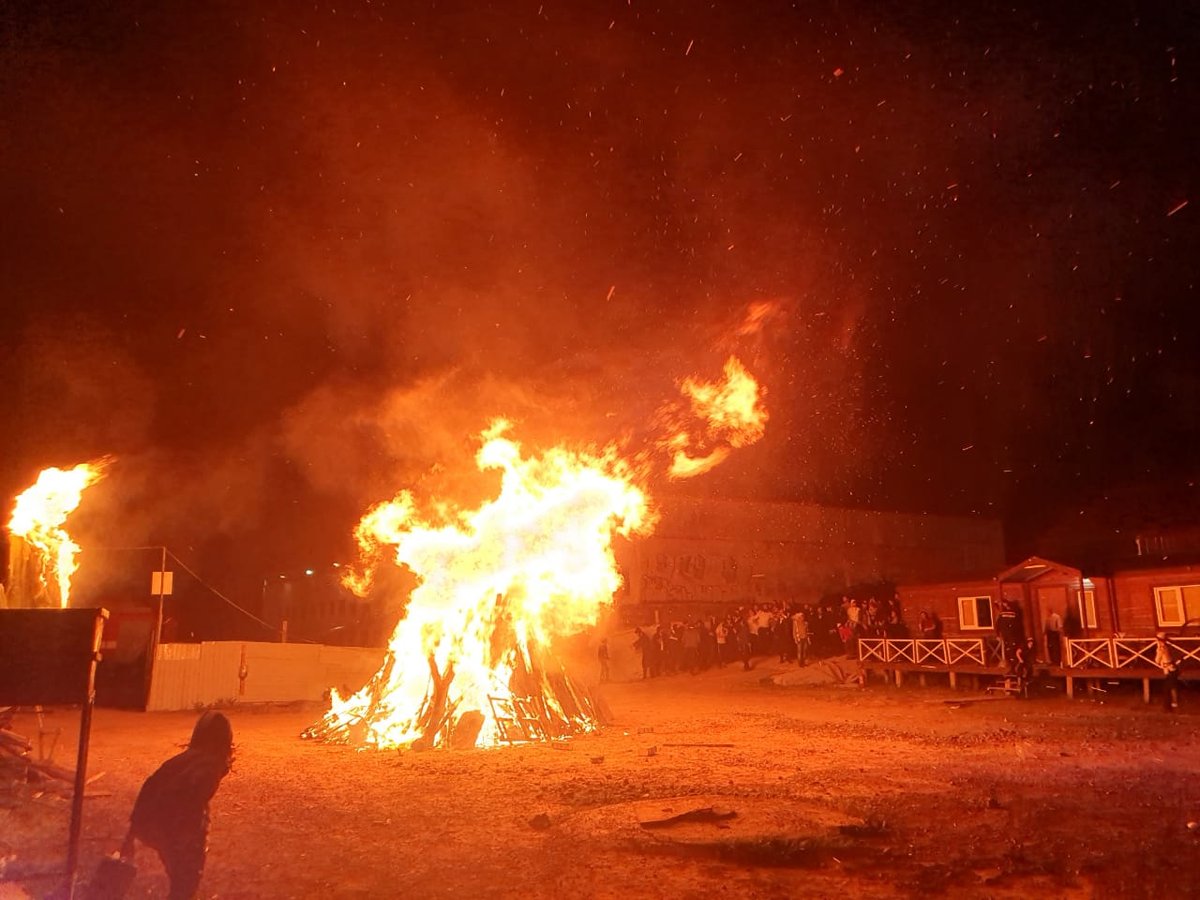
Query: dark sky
x=283, y=259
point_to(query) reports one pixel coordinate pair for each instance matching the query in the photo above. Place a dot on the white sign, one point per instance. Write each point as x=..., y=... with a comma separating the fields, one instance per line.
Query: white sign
x=161, y=583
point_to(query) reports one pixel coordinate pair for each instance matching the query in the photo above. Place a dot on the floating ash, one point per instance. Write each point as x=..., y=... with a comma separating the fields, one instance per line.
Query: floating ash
x=471, y=663
x=723, y=416
x=37, y=521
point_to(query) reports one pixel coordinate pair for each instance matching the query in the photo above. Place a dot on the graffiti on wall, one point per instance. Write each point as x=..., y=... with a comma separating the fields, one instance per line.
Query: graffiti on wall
x=692, y=577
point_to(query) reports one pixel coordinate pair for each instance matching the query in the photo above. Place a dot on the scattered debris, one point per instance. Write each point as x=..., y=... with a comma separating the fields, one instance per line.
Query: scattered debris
x=697, y=745
x=709, y=814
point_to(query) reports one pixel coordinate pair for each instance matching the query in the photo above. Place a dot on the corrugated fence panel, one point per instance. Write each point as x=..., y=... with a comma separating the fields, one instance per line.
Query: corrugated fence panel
x=280, y=672
x=174, y=676
x=187, y=676
x=219, y=671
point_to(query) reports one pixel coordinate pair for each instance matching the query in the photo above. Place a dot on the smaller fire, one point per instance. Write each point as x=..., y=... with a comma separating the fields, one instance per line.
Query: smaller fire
x=40, y=513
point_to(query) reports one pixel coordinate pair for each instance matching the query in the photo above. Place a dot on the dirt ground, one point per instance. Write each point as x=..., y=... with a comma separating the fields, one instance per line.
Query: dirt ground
x=875, y=792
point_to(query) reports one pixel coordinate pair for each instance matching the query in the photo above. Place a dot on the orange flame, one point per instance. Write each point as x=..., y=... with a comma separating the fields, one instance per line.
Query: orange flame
x=40, y=513
x=533, y=564
x=730, y=415
x=498, y=583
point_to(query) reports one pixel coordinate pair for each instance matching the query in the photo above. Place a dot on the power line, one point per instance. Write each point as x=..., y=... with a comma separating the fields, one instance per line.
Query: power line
x=217, y=593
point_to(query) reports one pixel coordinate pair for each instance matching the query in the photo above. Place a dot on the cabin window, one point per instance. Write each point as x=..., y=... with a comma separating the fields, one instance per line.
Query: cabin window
x=1178, y=604
x=974, y=613
x=1087, y=607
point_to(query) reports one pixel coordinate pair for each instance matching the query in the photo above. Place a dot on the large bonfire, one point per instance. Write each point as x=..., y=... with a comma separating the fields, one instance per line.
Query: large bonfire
x=38, y=520
x=469, y=664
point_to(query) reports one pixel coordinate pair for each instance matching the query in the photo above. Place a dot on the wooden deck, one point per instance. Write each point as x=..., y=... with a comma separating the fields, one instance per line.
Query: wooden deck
x=1088, y=659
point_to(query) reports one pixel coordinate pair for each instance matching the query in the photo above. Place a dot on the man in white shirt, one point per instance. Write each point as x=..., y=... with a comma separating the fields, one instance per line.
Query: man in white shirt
x=1054, y=624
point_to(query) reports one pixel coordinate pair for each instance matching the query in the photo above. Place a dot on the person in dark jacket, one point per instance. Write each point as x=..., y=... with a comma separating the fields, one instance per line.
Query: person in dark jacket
x=171, y=811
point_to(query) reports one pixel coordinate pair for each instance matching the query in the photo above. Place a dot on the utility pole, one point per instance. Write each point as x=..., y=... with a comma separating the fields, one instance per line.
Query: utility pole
x=162, y=590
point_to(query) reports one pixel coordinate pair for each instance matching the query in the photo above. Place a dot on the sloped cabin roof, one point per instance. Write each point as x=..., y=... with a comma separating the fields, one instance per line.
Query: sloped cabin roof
x=1036, y=567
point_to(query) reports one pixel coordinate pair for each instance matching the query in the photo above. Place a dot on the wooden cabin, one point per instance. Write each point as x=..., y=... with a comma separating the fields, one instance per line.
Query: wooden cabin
x=1128, y=602
x=1109, y=621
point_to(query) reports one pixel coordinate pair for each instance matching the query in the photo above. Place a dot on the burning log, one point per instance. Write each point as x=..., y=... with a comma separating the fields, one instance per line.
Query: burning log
x=435, y=717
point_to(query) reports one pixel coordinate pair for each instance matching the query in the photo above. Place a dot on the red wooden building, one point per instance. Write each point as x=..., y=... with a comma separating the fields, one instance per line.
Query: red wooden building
x=1127, y=602
x=1109, y=620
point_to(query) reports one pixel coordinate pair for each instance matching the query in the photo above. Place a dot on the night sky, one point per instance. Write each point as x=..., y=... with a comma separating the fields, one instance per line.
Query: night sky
x=282, y=259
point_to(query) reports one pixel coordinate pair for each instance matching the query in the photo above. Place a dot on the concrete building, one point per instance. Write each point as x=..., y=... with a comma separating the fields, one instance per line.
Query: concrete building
x=720, y=553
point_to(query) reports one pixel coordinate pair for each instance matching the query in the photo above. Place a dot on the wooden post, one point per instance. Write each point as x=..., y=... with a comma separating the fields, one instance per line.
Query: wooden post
x=953, y=679
x=1070, y=687
x=81, y=758
x=1145, y=690
x=921, y=679
x=899, y=678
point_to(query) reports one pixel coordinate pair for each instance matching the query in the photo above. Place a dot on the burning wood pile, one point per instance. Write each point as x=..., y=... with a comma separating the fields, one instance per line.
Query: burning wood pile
x=468, y=663
x=472, y=662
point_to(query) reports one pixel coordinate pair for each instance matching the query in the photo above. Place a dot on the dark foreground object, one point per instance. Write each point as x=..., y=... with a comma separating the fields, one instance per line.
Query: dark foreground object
x=171, y=814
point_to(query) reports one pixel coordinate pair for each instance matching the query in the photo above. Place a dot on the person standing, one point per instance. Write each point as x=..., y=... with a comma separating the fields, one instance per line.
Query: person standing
x=1164, y=658
x=930, y=626
x=689, y=647
x=1010, y=632
x=603, y=656
x=643, y=643
x=1054, y=626
x=744, y=645
x=722, y=636
x=800, y=636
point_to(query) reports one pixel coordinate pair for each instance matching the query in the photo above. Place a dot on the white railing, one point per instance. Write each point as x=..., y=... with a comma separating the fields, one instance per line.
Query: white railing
x=1090, y=653
x=1131, y=652
x=873, y=650
x=1079, y=653
x=920, y=652
x=1139, y=652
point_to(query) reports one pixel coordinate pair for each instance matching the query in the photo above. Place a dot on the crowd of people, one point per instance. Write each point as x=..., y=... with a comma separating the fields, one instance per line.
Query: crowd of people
x=802, y=633
x=792, y=632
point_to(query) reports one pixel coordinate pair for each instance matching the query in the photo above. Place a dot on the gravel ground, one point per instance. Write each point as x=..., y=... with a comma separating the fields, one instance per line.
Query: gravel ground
x=876, y=792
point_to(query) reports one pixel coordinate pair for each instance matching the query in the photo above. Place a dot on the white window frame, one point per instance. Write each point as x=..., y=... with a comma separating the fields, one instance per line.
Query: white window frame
x=971, y=603
x=1085, y=601
x=1180, y=604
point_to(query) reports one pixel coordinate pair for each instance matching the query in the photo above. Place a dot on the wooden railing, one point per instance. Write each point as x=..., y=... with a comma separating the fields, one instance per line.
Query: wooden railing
x=1078, y=653
x=1125, y=652
x=944, y=652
